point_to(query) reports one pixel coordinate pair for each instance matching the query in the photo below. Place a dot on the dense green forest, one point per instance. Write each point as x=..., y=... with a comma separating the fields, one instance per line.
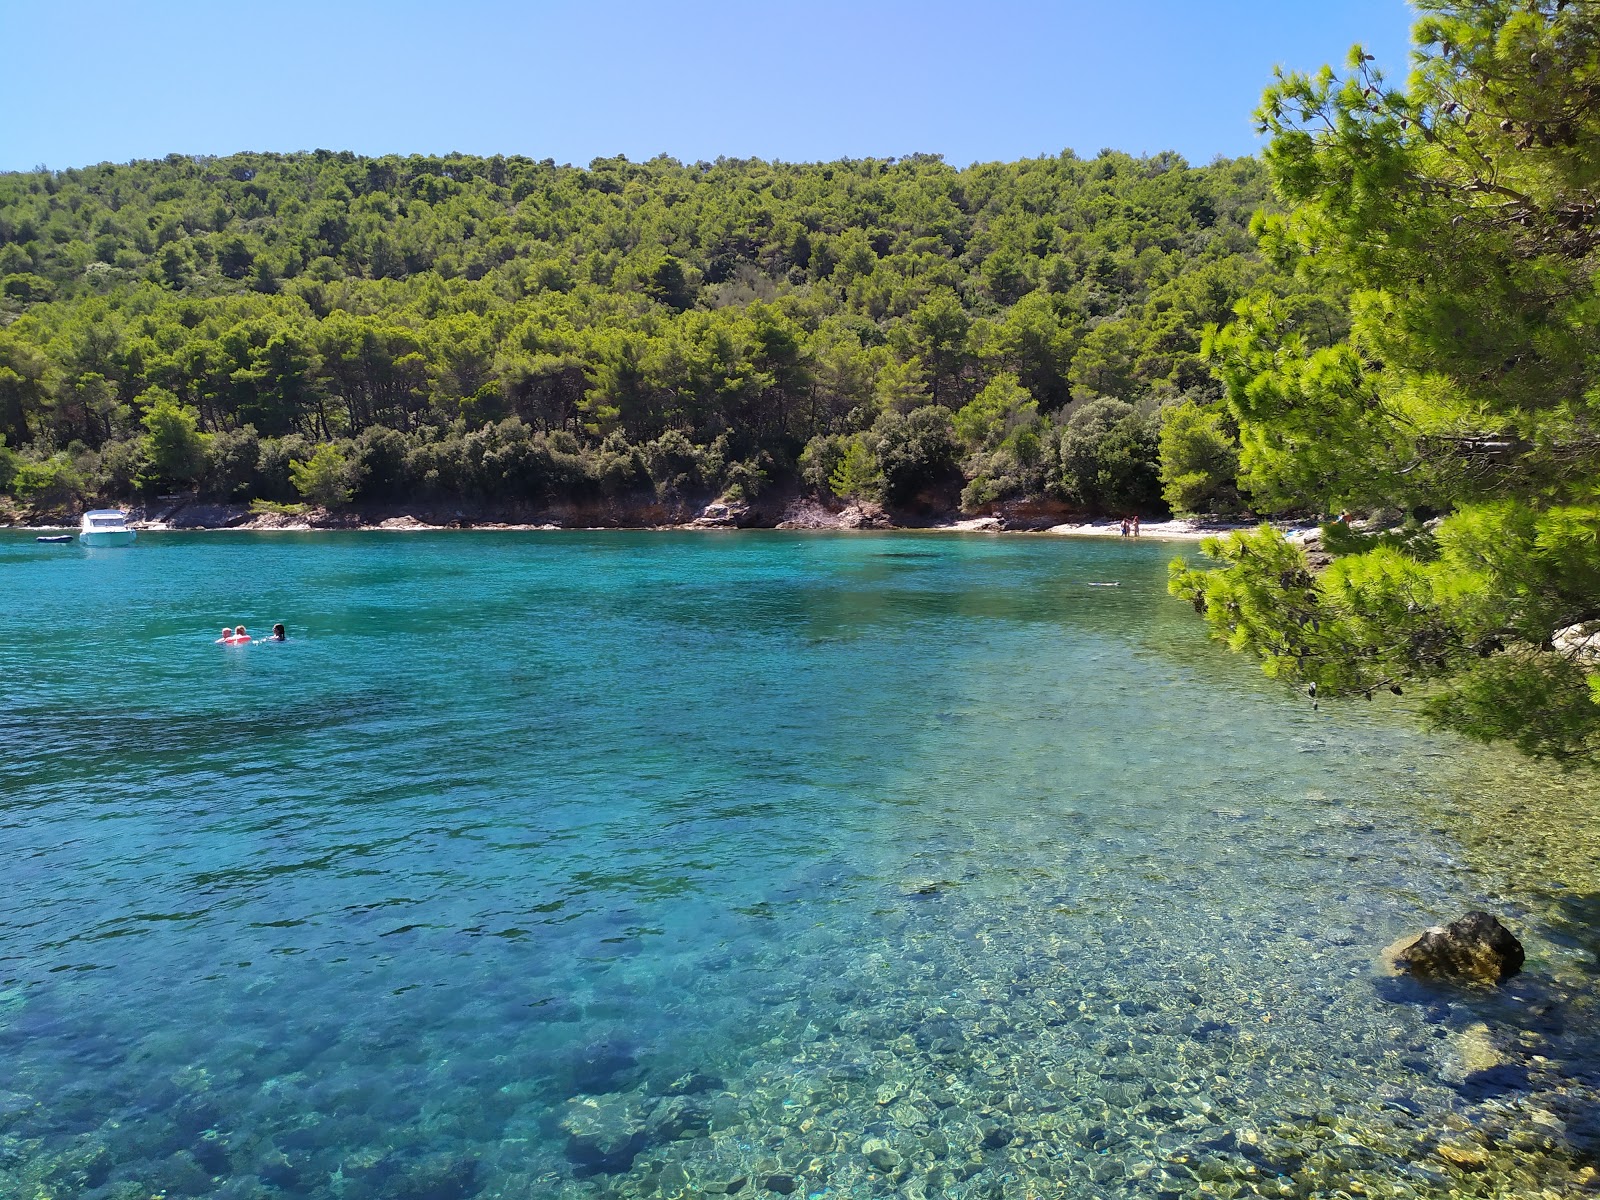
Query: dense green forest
x=502, y=330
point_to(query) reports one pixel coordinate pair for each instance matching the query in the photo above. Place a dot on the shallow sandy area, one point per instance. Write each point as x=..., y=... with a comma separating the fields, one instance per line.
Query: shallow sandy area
x=1187, y=529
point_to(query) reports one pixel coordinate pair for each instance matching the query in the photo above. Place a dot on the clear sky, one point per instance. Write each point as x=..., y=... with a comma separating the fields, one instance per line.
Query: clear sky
x=87, y=81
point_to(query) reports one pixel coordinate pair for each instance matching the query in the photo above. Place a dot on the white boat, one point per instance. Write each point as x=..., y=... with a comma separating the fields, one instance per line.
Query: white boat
x=105, y=527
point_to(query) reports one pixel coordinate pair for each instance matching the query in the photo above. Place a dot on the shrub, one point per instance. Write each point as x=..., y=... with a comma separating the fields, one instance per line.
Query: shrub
x=326, y=478
x=820, y=459
x=856, y=476
x=619, y=468
x=121, y=464
x=380, y=457
x=1199, y=461
x=10, y=464
x=1108, y=458
x=174, y=447
x=674, y=463
x=994, y=413
x=916, y=452
x=276, y=455
x=259, y=507
x=27, y=287
x=747, y=478
x=233, y=461
x=51, y=481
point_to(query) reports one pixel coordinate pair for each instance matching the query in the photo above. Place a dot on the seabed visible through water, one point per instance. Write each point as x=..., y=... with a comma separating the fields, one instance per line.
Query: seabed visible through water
x=615, y=865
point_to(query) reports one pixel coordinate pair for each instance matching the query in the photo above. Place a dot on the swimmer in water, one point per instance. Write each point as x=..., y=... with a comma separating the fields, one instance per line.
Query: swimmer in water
x=240, y=637
x=227, y=636
x=278, y=633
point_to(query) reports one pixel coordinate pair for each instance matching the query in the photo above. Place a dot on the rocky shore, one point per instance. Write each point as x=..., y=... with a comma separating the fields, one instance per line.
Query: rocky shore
x=787, y=511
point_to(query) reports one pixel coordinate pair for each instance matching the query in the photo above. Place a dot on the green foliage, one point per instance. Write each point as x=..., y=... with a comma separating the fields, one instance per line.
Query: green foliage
x=856, y=474
x=261, y=507
x=675, y=464
x=916, y=453
x=233, y=459
x=994, y=414
x=26, y=287
x=174, y=447
x=1452, y=222
x=745, y=480
x=820, y=459
x=1199, y=461
x=378, y=464
x=51, y=482
x=1469, y=610
x=670, y=284
x=326, y=478
x=745, y=307
x=273, y=465
x=1541, y=703
x=1108, y=458
x=1009, y=445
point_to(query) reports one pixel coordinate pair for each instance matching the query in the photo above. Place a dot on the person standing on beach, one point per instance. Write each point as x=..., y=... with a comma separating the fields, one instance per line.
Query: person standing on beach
x=1124, y=526
x=1135, y=524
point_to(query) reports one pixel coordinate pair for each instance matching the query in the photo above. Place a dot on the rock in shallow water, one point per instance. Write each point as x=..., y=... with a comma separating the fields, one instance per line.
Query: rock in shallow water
x=604, y=1133
x=880, y=1154
x=1474, y=949
x=439, y=1176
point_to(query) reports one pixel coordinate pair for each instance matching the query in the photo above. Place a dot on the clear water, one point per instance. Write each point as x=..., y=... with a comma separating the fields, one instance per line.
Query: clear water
x=656, y=864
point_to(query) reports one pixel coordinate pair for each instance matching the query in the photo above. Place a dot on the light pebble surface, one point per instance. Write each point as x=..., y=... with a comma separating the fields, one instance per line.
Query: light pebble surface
x=1184, y=529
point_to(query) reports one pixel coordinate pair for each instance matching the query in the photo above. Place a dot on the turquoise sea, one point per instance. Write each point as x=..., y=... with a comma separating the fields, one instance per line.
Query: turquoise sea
x=648, y=864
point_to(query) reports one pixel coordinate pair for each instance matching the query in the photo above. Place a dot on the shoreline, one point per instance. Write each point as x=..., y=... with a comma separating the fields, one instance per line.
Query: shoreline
x=787, y=512
x=1174, y=530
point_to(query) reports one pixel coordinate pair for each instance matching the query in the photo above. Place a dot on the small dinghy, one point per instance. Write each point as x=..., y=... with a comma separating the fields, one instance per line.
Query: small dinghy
x=63, y=537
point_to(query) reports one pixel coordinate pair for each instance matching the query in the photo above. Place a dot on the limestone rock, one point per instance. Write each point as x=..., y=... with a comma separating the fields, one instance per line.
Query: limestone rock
x=880, y=1154
x=604, y=1133
x=723, y=514
x=1474, y=949
x=1474, y=1051
x=676, y=1118
x=1466, y=1157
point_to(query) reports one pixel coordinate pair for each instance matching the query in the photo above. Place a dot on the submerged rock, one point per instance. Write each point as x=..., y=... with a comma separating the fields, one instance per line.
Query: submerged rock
x=1474, y=1051
x=1466, y=1157
x=676, y=1118
x=180, y=1175
x=604, y=1133
x=607, y=1065
x=880, y=1154
x=14, y=1107
x=84, y=1164
x=439, y=1176
x=1474, y=949
x=694, y=1083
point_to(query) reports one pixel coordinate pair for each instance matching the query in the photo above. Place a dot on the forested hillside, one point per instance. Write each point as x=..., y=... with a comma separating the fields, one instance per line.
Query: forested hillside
x=334, y=327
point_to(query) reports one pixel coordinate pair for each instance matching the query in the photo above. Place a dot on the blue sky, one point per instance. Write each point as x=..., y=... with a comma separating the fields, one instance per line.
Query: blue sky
x=94, y=80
